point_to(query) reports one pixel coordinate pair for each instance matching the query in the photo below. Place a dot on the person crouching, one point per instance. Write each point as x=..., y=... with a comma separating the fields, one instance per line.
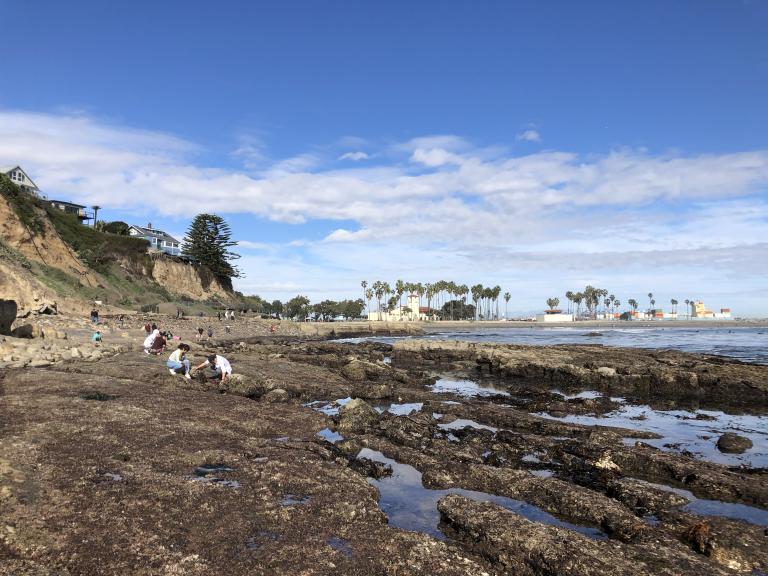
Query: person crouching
x=178, y=363
x=216, y=367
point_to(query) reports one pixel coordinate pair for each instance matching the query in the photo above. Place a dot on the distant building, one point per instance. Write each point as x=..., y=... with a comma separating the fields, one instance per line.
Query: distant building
x=554, y=316
x=411, y=312
x=699, y=310
x=20, y=178
x=159, y=241
x=71, y=208
x=26, y=184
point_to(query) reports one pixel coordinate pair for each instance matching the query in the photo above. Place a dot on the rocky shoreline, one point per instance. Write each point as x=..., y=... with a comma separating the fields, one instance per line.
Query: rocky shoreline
x=426, y=457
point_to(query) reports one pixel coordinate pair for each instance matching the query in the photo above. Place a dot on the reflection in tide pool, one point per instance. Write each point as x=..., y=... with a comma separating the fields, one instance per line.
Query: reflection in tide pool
x=410, y=506
x=716, y=507
x=682, y=430
x=467, y=388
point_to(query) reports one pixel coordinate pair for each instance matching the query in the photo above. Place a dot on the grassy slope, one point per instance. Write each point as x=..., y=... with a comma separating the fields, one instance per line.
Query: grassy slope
x=121, y=261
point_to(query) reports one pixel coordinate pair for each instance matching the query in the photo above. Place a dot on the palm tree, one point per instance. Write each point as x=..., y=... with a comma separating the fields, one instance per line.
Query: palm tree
x=674, y=305
x=364, y=285
x=368, y=297
x=632, y=302
x=95, y=214
x=650, y=297
x=569, y=297
x=617, y=304
x=553, y=302
x=399, y=289
x=606, y=303
x=477, y=294
x=577, y=299
x=506, y=305
x=496, y=294
x=687, y=308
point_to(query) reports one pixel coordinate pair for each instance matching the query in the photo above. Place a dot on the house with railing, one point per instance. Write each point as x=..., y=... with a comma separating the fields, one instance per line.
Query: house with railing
x=159, y=241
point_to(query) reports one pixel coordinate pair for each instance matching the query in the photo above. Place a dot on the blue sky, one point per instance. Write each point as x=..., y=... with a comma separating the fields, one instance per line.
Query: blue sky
x=538, y=146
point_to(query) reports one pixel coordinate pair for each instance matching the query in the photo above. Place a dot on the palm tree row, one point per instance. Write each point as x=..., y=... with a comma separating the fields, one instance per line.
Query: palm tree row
x=593, y=297
x=438, y=294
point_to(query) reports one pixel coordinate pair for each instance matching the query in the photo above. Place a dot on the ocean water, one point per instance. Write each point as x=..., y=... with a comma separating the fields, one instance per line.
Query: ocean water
x=743, y=343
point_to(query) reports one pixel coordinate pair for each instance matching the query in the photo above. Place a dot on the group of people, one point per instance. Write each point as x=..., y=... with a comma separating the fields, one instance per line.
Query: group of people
x=156, y=341
x=228, y=314
x=214, y=366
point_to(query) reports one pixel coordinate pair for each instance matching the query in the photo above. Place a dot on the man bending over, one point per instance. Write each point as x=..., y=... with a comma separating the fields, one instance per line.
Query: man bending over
x=215, y=367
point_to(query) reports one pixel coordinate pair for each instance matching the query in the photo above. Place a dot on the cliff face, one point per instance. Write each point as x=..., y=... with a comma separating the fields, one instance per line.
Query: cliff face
x=31, y=263
x=184, y=280
x=47, y=248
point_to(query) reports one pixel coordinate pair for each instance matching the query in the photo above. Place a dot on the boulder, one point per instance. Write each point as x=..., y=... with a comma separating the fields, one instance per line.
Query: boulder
x=25, y=331
x=276, y=395
x=8, y=310
x=373, y=391
x=357, y=416
x=606, y=371
x=731, y=443
x=359, y=371
x=75, y=353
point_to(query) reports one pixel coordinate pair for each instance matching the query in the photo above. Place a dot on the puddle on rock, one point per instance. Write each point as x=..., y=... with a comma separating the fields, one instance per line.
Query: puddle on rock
x=681, y=430
x=460, y=423
x=704, y=507
x=328, y=407
x=204, y=475
x=330, y=435
x=387, y=359
x=586, y=395
x=399, y=409
x=341, y=545
x=544, y=473
x=295, y=500
x=466, y=388
x=411, y=506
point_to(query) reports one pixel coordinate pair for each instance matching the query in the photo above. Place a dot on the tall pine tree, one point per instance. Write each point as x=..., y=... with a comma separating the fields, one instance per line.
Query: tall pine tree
x=208, y=241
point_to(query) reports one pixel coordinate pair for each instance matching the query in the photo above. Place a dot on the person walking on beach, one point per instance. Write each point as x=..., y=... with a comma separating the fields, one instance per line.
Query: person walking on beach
x=178, y=362
x=216, y=367
x=210, y=332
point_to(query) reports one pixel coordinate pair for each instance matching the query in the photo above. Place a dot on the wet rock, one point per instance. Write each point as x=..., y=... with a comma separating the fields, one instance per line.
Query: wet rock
x=372, y=391
x=643, y=498
x=732, y=443
x=357, y=416
x=359, y=371
x=276, y=395
x=8, y=310
x=730, y=543
x=520, y=546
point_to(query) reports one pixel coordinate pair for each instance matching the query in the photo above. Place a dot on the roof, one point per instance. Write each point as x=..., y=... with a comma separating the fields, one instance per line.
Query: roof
x=5, y=170
x=67, y=203
x=156, y=233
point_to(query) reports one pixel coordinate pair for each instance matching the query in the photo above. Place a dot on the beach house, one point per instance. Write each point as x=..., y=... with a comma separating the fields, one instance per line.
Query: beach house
x=159, y=241
x=21, y=179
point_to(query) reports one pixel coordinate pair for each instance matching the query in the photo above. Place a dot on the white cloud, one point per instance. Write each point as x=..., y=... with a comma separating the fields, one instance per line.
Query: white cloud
x=440, y=207
x=529, y=135
x=354, y=156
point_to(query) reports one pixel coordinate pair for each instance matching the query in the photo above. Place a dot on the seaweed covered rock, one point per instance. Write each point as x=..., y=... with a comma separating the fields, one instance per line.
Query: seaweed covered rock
x=357, y=416
x=732, y=443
